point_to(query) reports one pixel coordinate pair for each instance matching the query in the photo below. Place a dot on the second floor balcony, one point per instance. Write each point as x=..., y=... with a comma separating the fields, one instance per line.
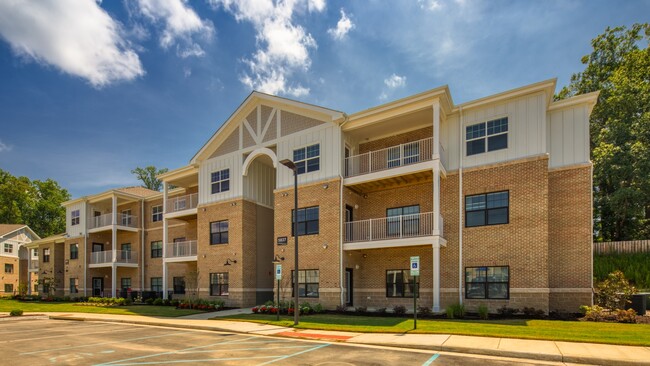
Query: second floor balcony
x=106, y=258
x=393, y=231
x=181, y=251
x=105, y=222
x=181, y=205
x=33, y=265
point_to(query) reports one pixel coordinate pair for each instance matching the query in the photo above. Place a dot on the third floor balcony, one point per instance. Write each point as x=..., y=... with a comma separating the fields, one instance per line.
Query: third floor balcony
x=105, y=222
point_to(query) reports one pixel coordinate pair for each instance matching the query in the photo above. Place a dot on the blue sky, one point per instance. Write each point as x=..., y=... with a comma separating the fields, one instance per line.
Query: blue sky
x=92, y=89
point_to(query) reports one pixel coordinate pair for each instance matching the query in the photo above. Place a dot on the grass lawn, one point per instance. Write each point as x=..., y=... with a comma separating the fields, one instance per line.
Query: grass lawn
x=611, y=333
x=60, y=307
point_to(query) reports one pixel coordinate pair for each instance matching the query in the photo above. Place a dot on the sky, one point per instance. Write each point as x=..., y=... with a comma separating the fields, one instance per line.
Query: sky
x=90, y=90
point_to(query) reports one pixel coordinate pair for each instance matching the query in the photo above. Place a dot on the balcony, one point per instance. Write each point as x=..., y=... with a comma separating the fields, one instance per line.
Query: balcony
x=33, y=265
x=105, y=222
x=181, y=251
x=394, y=231
x=182, y=205
x=127, y=258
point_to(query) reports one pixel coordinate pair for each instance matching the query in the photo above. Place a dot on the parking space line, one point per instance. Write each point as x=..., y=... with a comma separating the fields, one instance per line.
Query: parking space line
x=242, y=349
x=195, y=361
x=103, y=343
x=59, y=336
x=50, y=329
x=295, y=354
x=430, y=361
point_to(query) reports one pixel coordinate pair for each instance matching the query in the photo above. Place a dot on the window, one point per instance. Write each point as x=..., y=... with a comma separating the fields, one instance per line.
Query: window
x=9, y=287
x=493, y=133
x=487, y=209
x=219, y=284
x=156, y=284
x=308, y=283
x=179, y=285
x=219, y=232
x=156, y=213
x=409, y=218
x=74, y=285
x=126, y=251
x=74, y=251
x=35, y=253
x=307, y=159
x=307, y=221
x=9, y=248
x=126, y=283
x=220, y=181
x=487, y=282
x=46, y=255
x=126, y=218
x=9, y=268
x=74, y=217
x=399, y=283
x=404, y=154
x=156, y=249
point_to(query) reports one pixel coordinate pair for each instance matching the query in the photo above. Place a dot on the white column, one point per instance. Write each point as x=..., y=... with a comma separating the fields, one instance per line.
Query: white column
x=436, y=127
x=29, y=272
x=114, y=280
x=114, y=249
x=436, y=168
x=436, y=277
x=164, y=243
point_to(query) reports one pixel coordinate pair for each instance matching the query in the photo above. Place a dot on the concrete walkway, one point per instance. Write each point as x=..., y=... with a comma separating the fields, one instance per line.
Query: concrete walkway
x=568, y=352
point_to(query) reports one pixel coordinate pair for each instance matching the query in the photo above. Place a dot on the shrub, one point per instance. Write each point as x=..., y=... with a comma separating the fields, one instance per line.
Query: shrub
x=633, y=265
x=399, y=310
x=380, y=311
x=149, y=301
x=16, y=312
x=424, y=310
x=594, y=313
x=533, y=313
x=626, y=316
x=318, y=308
x=340, y=308
x=361, y=310
x=507, y=312
x=614, y=292
x=455, y=311
x=158, y=302
x=483, y=312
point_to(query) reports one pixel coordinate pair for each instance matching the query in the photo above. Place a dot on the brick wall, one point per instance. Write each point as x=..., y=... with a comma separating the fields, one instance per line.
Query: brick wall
x=10, y=278
x=398, y=139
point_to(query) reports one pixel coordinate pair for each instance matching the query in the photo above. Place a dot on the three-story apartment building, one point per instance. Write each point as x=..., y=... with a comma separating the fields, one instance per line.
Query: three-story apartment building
x=493, y=195
x=16, y=259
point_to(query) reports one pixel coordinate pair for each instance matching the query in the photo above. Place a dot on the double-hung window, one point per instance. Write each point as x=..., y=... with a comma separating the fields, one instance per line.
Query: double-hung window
x=399, y=283
x=74, y=251
x=74, y=285
x=487, y=282
x=487, y=209
x=9, y=287
x=220, y=181
x=307, y=159
x=9, y=268
x=8, y=248
x=156, y=284
x=126, y=283
x=156, y=213
x=156, y=249
x=486, y=136
x=46, y=255
x=405, y=154
x=308, y=282
x=219, y=232
x=127, y=219
x=403, y=221
x=219, y=284
x=179, y=285
x=307, y=221
x=74, y=217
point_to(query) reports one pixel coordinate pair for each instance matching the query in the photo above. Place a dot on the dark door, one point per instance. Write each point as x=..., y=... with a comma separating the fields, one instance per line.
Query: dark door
x=98, y=247
x=348, y=286
x=348, y=223
x=98, y=286
x=347, y=162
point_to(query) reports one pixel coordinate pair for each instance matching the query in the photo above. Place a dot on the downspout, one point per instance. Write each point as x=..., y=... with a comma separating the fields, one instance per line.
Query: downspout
x=341, y=212
x=142, y=247
x=460, y=207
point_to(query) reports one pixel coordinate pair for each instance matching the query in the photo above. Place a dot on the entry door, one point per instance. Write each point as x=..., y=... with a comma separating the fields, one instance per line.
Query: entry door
x=348, y=287
x=98, y=286
x=348, y=227
x=98, y=247
x=347, y=161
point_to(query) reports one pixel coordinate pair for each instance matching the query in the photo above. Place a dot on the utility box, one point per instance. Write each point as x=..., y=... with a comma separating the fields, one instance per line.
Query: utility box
x=640, y=303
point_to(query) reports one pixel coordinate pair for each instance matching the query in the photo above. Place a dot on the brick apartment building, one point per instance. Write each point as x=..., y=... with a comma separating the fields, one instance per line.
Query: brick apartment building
x=493, y=195
x=14, y=259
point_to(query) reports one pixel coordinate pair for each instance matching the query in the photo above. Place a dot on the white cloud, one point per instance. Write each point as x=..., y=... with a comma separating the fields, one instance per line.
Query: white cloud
x=187, y=72
x=283, y=46
x=77, y=37
x=430, y=4
x=179, y=23
x=5, y=147
x=395, y=81
x=343, y=26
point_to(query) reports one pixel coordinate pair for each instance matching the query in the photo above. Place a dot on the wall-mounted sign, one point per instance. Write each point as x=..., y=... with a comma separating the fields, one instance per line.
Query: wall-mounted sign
x=282, y=240
x=415, y=266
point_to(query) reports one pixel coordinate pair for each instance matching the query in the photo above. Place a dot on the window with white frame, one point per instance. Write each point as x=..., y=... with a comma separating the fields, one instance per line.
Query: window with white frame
x=8, y=248
x=307, y=159
x=126, y=218
x=156, y=213
x=74, y=217
x=220, y=181
x=405, y=154
x=486, y=136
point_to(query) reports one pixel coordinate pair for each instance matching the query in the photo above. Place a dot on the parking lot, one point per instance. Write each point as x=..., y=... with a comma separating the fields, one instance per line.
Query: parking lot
x=40, y=341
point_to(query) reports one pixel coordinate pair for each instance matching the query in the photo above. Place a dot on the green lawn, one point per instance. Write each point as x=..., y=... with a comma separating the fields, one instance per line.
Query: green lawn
x=611, y=333
x=147, y=310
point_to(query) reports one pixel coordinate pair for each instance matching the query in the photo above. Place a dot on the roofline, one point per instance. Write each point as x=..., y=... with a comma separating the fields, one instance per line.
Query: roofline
x=589, y=98
x=182, y=171
x=20, y=228
x=58, y=238
x=548, y=84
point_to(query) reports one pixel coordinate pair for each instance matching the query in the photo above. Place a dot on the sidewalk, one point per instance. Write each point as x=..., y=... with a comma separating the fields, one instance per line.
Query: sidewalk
x=568, y=352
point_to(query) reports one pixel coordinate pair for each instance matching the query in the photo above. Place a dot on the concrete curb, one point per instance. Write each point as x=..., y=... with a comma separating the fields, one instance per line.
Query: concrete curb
x=454, y=349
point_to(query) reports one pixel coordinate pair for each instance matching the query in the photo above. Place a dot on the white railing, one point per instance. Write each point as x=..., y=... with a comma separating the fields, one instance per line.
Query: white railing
x=101, y=220
x=388, y=158
x=181, y=203
x=33, y=264
x=386, y=228
x=127, y=220
x=121, y=256
x=181, y=249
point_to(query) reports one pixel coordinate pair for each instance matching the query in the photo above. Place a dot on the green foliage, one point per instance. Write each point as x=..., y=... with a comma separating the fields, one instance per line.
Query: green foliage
x=34, y=203
x=635, y=266
x=594, y=313
x=455, y=311
x=148, y=176
x=483, y=312
x=626, y=316
x=107, y=301
x=614, y=292
x=16, y=312
x=158, y=302
x=424, y=310
x=399, y=310
x=619, y=68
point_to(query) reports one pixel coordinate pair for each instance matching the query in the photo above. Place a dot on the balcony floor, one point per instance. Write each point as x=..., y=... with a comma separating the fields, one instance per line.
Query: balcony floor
x=395, y=243
x=392, y=178
x=189, y=258
x=110, y=264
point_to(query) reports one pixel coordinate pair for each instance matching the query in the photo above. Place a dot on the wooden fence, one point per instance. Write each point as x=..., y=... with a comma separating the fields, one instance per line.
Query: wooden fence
x=635, y=246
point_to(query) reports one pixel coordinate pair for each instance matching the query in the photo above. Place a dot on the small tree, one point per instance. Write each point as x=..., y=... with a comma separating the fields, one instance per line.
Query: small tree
x=22, y=289
x=192, y=285
x=614, y=292
x=148, y=176
x=49, y=285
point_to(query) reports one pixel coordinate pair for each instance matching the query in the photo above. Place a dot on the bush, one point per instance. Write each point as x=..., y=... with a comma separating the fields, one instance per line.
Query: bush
x=158, y=302
x=533, y=313
x=594, y=313
x=149, y=301
x=424, y=310
x=318, y=308
x=455, y=311
x=380, y=311
x=483, y=312
x=614, y=292
x=399, y=310
x=16, y=312
x=507, y=312
x=340, y=308
x=361, y=310
x=626, y=316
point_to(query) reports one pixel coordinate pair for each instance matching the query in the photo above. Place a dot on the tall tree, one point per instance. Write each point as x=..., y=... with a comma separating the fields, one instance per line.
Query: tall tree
x=33, y=203
x=148, y=176
x=619, y=66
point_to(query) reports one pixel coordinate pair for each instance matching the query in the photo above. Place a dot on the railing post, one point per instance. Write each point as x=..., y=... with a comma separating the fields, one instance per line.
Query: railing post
x=401, y=222
x=370, y=229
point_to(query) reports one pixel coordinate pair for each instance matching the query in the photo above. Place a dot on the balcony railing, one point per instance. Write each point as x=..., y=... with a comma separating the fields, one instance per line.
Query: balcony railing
x=107, y=220
x=388, y=158
x=181, y=203
x=33, y=264
x=121, y=256
x=181, y=249
x=387, y=228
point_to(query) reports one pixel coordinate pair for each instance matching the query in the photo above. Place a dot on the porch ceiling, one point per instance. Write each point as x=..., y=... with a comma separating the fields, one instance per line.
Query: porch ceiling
x=393, y=182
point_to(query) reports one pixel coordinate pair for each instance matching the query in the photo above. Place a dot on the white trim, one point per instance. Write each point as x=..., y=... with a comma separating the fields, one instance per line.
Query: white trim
x=258, y=152
x=397, y=243
x=389, y=173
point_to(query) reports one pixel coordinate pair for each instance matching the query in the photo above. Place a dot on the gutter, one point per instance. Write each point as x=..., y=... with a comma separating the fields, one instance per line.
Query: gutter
x=460, y=207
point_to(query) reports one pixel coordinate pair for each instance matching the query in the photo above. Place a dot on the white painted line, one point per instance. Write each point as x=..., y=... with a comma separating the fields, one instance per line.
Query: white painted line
x=195, y=361
x=61, y=336
x=296, y=354
x=52, y=329
x=241, y=349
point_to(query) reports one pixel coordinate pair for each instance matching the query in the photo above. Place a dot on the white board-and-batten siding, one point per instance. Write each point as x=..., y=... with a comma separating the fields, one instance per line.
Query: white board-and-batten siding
x=568, y=136
x=79, y=229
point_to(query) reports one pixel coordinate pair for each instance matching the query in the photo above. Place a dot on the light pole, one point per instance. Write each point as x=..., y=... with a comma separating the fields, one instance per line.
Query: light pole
x=291, y=165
